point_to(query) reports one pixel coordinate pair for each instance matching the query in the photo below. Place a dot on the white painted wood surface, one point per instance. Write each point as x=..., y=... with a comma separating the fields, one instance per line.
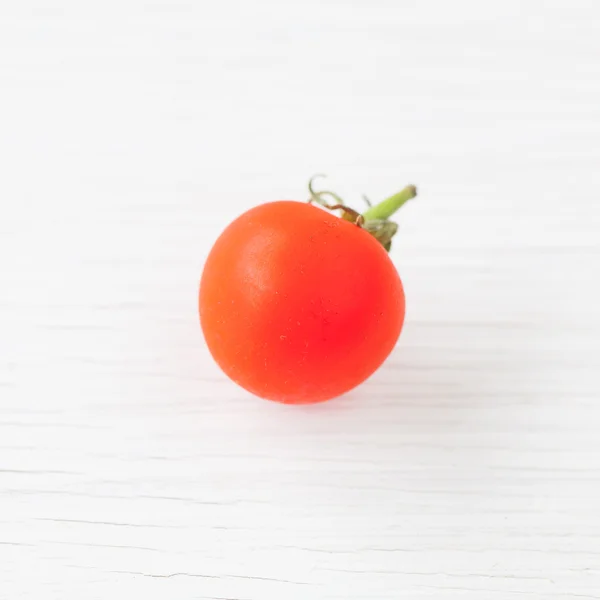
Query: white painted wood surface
x=131, y=133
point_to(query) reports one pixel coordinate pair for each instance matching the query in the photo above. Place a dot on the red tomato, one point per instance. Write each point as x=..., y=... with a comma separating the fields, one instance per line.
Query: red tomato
x=298, y=305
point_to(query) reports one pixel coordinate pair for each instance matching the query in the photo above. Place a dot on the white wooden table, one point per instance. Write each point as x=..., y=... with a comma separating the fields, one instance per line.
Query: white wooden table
x=131, y=133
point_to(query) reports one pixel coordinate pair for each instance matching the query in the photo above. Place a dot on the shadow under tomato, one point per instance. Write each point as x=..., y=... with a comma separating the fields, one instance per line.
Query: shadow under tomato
x=448, y=378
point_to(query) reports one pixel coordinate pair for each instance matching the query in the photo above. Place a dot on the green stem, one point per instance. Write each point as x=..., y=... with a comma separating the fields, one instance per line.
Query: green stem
x=386, y=208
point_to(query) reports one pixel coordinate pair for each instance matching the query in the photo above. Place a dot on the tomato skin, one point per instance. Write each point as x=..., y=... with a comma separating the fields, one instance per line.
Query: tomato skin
x=298, y=305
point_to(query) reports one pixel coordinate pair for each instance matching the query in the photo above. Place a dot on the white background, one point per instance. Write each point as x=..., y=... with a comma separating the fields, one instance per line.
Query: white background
x=131, y=133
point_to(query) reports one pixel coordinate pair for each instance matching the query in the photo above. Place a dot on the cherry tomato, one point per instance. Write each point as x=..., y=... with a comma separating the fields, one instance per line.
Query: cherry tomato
x=298, y=305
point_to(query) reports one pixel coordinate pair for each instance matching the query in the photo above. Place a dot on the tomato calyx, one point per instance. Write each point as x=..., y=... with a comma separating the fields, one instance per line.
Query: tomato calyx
x=376, y=219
